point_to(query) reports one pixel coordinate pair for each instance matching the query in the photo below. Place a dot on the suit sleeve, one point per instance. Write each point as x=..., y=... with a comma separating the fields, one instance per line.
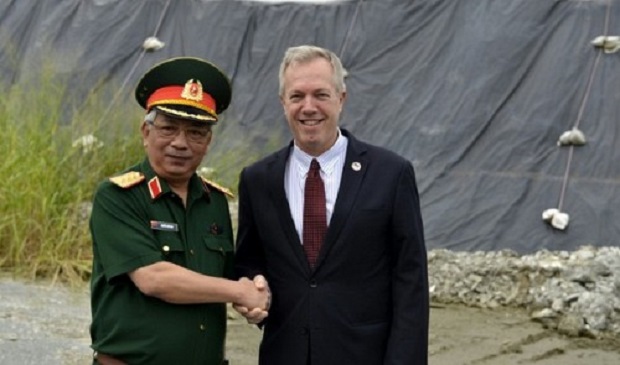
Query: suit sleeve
x=249, y=255
x=408, y=341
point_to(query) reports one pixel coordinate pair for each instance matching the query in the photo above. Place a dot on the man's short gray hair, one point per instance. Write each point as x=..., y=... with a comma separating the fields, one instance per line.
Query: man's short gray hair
x=307, y=53
x=150, y=116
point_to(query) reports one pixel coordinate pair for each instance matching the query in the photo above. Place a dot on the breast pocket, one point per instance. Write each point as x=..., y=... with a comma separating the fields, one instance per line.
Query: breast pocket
x=218, y=256
x=172, y=248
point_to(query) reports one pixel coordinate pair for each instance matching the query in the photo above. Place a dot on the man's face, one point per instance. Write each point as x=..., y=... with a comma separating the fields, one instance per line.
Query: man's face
x=312, y=105
x=175, y=147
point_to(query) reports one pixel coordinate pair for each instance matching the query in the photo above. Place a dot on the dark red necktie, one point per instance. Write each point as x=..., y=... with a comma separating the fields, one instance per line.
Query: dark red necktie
x=315, y=216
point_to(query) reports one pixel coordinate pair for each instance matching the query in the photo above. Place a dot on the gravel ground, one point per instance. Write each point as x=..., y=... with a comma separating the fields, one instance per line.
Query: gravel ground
x=43, y=323
x=46, y=323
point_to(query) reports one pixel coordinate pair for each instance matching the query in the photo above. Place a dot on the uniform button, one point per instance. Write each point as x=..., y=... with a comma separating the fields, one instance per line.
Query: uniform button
x=203, y=327
x=313, y=284
x=191, y=251
x=166, y=248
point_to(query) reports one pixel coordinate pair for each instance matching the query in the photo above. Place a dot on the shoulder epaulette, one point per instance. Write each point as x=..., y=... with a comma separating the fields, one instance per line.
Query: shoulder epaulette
x=127, y=179
x=218, y=187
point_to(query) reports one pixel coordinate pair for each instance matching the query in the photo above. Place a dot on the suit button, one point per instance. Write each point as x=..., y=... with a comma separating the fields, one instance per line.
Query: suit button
x=304, y=331
x=313, y=283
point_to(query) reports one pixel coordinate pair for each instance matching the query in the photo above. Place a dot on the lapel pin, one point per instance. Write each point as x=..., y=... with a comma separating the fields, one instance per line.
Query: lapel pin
x=356, y=166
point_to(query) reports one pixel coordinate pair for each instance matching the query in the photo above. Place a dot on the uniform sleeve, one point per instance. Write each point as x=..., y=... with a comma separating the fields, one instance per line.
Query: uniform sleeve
x=408, y=342
x=122, y=237
x=229, y=268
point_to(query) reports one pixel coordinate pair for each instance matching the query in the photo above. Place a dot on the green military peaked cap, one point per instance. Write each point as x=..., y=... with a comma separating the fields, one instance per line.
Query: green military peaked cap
x=185, y=87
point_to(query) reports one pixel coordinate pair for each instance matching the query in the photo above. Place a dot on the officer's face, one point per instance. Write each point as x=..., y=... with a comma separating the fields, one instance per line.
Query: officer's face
x=312, y=105
x=175, y=147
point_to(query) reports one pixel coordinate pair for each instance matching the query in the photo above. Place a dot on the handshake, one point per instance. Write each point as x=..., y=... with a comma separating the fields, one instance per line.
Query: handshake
x=255, y=300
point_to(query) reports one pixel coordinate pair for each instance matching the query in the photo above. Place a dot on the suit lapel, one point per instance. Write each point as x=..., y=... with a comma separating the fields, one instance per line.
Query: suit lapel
x=354, y=169
x=276, y=169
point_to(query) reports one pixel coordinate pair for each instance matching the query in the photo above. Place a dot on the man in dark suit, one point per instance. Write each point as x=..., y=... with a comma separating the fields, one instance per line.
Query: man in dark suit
x=334, y=225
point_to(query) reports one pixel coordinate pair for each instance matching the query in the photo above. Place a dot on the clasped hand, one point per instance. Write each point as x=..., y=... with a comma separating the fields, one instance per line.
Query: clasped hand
x=256, y=308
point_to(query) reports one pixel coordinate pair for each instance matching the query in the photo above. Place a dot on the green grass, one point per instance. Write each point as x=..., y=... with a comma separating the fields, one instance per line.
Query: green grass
x=48, y=180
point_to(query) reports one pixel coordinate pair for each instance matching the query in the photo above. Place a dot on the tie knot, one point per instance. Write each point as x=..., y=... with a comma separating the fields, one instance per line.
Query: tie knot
x=315, y=168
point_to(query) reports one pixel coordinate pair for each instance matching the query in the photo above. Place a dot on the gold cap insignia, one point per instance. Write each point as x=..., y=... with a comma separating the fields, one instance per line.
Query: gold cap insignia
x=127, y=179
x=192, y=90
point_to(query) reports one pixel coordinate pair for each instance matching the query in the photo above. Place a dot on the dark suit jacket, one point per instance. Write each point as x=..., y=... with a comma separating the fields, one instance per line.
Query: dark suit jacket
x=366, y=302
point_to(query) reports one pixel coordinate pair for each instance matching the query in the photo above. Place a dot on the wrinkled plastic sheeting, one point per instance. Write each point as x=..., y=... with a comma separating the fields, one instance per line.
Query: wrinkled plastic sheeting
x=474, y=93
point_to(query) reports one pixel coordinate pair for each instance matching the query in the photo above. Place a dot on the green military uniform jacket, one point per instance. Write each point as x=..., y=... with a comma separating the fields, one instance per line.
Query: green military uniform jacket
x=137, y=221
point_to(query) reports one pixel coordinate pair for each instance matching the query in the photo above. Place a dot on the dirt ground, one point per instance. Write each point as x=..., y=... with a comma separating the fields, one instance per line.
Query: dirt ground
x=48, y=323
x=470, y=336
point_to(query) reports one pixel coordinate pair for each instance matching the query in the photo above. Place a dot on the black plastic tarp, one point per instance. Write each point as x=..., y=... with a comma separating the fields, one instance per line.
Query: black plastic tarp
x=475, y=93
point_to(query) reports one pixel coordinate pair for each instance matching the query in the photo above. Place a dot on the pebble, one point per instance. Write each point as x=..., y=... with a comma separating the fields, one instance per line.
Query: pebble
x=577, y=293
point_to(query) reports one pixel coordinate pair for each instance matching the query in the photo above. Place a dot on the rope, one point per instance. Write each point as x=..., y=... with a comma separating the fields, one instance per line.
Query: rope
x=135, y=65
x=586, y=96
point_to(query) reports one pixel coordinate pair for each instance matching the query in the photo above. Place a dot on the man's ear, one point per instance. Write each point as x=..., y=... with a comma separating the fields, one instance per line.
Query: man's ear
x=145, y=133
x=209, y=137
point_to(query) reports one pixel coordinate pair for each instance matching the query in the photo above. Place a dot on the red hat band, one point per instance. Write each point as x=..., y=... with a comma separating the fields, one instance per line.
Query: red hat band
x=189, y=95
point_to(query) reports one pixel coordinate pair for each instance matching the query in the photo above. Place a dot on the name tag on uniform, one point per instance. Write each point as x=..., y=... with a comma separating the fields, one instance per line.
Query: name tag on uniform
x=164, y=226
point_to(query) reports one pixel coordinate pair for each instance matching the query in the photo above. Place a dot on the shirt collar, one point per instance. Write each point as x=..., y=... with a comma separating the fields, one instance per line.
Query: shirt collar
x=327, y=160
x=159, y=187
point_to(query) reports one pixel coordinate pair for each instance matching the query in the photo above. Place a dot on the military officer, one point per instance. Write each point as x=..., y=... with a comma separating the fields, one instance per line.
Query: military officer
x=162, y=235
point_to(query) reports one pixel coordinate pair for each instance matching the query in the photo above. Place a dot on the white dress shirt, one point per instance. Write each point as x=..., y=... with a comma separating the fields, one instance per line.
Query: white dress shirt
x=297, y=166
